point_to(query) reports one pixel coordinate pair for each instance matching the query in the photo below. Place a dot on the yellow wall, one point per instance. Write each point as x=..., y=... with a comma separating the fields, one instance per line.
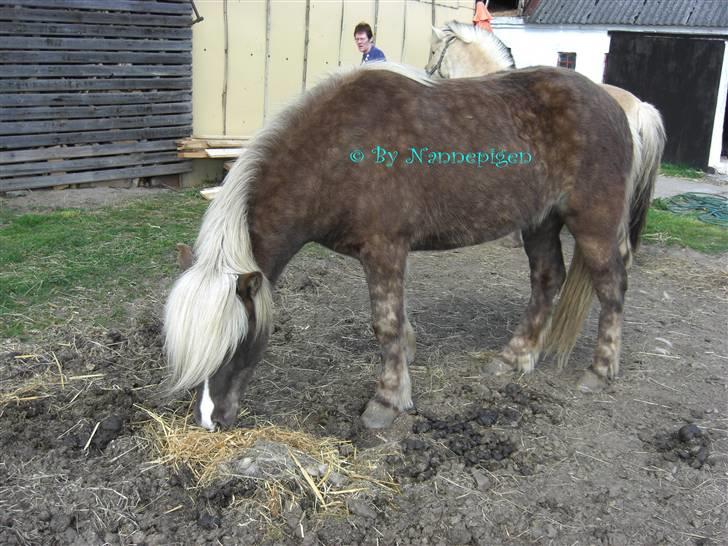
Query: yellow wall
x=403, y=29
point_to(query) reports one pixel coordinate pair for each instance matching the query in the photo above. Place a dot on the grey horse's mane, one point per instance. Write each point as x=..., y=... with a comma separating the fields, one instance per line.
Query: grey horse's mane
x=487, y=41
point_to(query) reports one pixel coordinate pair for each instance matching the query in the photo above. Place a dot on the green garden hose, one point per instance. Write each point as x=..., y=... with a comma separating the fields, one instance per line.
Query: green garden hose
x=712, y=209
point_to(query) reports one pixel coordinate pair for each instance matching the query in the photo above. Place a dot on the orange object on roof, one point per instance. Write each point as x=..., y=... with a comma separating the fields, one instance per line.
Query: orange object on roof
x=482, y=17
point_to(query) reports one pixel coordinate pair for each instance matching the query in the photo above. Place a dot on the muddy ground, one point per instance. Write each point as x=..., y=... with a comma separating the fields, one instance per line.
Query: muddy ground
x=520, y=460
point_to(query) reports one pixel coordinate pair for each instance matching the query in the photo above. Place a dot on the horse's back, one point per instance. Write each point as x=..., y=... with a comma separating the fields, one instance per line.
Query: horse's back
x=433, y=193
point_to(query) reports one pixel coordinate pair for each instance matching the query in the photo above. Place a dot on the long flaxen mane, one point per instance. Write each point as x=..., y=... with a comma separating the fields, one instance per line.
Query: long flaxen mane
x=205, y=321
x=492, y=47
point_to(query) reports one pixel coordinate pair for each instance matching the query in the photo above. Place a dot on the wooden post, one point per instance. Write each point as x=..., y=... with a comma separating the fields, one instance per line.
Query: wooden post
x=267, y=59
x=305, y=45
x=225, y=68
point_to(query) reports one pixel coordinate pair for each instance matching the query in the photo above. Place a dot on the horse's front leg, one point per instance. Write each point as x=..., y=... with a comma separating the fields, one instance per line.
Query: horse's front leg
x=385, y=277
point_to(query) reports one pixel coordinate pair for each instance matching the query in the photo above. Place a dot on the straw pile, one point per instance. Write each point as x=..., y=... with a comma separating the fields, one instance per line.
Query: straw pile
x=286, y=464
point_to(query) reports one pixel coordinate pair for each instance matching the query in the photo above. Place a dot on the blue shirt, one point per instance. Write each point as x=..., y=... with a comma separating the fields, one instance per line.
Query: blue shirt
x=375, y=55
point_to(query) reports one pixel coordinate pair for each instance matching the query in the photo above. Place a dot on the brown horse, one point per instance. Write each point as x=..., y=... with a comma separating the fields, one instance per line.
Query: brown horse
x=378, y=162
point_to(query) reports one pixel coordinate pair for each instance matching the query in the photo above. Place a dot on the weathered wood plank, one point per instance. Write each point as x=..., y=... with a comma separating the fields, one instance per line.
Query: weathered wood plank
x=63, y=125
x=139, y=6
x=14, y=13
x=20, y=28
x=94, y=176
x=95, y=150
x=202, y=142
x=71, y=165
x=85, y=57
x=95, y=44
x=16, y=142
x=80, y=99
x=210, y=153
x=91, y=70
x=85, y=112
x=91, y=84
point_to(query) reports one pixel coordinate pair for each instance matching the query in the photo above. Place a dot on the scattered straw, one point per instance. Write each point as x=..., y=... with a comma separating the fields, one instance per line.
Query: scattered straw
x=41, y=386
x=93, y=433
x=306, y=476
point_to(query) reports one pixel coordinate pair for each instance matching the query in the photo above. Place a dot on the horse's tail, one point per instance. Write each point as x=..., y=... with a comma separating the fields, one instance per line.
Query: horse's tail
x=651, y=135
x=648, y=141
x=205, y=320
x=571, y=310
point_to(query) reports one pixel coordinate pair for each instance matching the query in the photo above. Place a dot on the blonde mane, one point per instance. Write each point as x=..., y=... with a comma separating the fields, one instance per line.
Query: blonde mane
x=493, y=49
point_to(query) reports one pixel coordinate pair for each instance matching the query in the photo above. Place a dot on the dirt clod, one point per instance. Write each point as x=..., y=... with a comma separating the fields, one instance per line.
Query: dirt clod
x=688, y=444
x=208, y=521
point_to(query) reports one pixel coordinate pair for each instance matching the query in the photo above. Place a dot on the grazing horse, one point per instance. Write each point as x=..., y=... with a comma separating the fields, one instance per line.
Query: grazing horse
x=377, y=162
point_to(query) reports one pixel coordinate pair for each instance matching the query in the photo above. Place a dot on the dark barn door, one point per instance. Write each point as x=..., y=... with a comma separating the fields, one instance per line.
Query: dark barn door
x=93, y=90
x=680, y=76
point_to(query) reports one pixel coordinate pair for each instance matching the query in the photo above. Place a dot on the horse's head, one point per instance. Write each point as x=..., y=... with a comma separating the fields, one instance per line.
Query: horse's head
x=460, y=51
x=439, y=63
x=218, y=395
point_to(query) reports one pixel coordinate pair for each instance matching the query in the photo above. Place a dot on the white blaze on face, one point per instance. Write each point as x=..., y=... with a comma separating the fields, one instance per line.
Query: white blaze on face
x=206, y=407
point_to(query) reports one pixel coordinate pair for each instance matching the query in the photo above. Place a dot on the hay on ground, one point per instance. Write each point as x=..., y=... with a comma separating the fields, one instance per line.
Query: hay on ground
x=287, y=464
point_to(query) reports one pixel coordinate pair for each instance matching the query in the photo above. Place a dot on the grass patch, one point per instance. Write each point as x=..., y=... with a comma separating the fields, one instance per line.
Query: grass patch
x=682, y=171
x=64, y=263
x=684, y=230
x=91, y=265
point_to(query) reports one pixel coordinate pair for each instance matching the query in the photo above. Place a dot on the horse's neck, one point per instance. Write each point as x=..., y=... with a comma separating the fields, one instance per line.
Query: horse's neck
x=472, y=60
x=477, y=66
x=275, y=232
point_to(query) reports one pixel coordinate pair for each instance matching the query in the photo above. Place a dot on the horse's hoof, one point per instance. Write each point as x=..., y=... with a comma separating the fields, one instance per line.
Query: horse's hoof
x=591, y=382
x=526, y=363
x=377, y=415
x=497, y=366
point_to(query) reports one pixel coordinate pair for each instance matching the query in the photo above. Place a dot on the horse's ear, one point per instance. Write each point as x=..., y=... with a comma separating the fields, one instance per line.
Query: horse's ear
x=249, y=284
x=184, y=256
x=437, y=33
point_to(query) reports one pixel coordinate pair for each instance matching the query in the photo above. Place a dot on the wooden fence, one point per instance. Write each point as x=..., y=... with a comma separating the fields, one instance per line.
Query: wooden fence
x=93, y=90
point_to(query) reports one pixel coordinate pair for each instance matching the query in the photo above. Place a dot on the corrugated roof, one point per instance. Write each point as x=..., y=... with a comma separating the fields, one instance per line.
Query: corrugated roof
x=683, y=13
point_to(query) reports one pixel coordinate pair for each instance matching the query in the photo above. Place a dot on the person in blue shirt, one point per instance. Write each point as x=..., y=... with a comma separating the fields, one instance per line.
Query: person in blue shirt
x=364, y=43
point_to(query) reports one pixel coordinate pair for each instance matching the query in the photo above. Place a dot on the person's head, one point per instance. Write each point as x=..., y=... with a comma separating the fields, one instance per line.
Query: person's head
x=363, y=37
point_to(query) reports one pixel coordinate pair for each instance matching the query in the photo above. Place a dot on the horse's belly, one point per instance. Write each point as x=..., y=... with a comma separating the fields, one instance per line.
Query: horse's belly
x=458, y=238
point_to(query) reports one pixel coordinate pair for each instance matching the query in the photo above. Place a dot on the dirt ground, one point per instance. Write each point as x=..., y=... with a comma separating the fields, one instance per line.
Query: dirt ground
x=519, y=460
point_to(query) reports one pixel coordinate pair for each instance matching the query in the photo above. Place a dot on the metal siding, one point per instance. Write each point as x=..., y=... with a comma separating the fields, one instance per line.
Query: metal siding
x=697, y=13
x=680, y=77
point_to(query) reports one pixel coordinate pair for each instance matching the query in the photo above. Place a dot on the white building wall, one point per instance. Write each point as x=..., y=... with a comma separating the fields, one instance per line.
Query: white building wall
x=717, y=139
x=541, y=44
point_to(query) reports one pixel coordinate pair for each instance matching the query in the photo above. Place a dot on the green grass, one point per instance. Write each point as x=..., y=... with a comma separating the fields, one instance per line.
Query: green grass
x=92, y=265
x=682, y=171
x=63, y=264
x=684, y=230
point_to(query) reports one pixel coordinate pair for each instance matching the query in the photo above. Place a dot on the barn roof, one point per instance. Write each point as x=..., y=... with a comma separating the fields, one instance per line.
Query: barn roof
x=683, y=13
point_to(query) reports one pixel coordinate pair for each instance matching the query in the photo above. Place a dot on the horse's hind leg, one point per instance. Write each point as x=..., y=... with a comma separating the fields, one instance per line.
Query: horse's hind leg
x=409, y=341
x=609, y=278
x=385, y=268
x=543, y=247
